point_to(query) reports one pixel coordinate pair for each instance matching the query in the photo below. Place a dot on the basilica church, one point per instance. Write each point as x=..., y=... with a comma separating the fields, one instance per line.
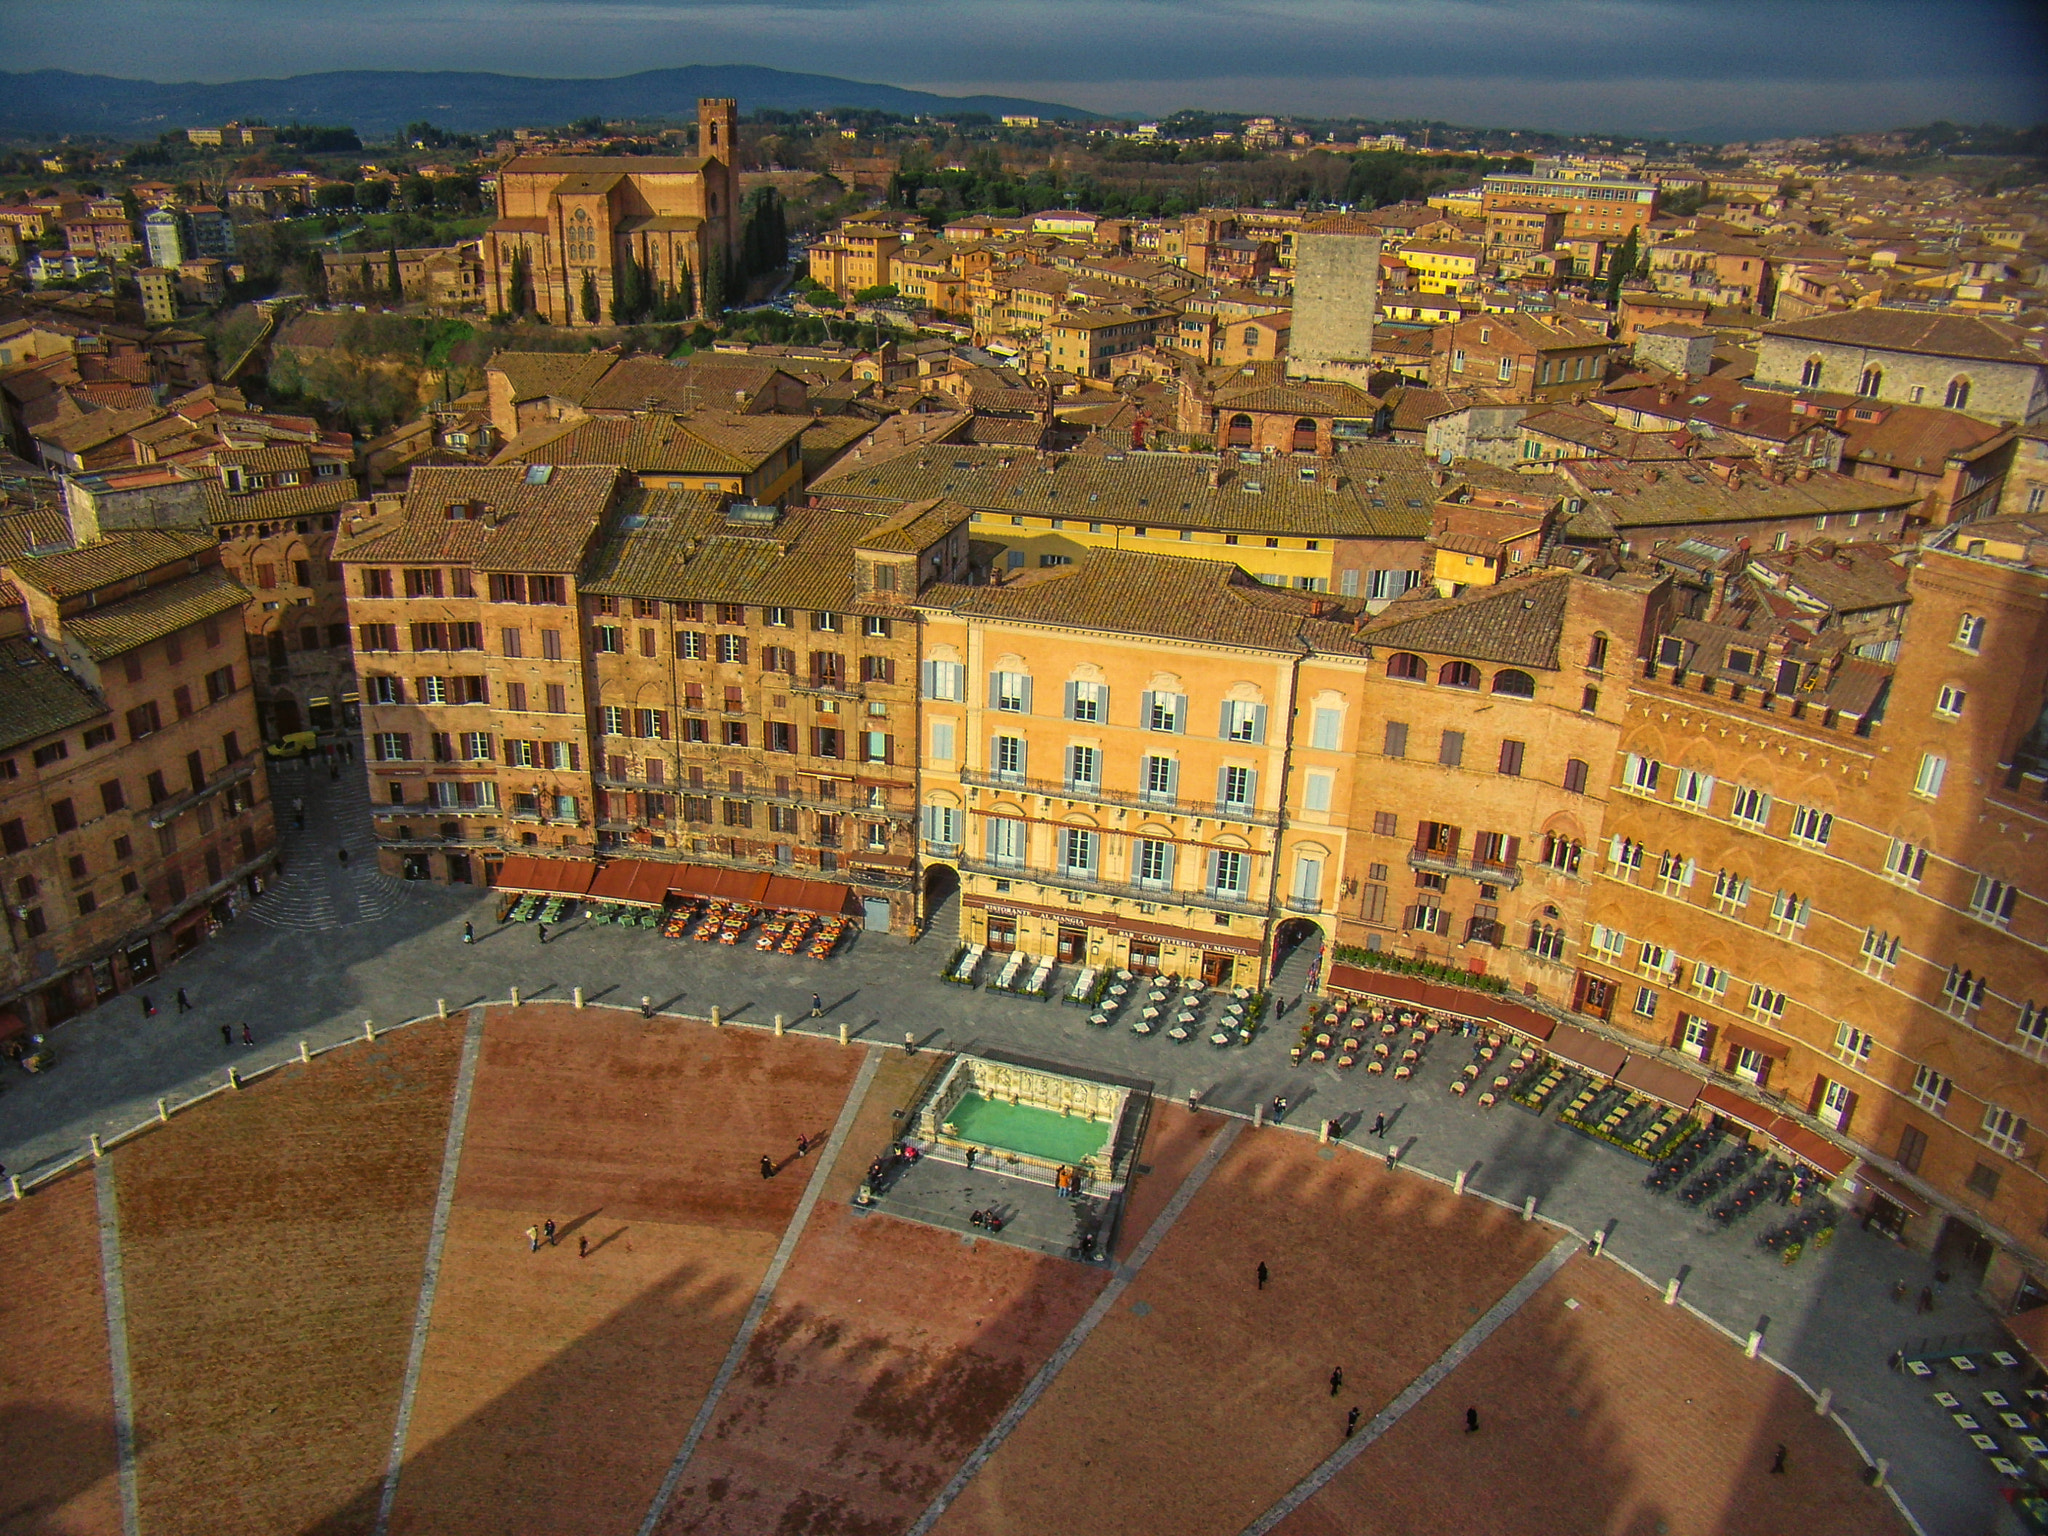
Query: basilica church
x=573, y=215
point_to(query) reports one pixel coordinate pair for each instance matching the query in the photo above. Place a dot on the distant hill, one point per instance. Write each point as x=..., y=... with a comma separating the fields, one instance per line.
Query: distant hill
x=377, y=102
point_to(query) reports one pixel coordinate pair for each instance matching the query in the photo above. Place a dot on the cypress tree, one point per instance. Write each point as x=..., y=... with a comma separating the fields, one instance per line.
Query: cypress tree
x=590, y=307
x=1620, y=266
x=686, y=296
x=714, y=285
x=397, y=288
x=517, y=300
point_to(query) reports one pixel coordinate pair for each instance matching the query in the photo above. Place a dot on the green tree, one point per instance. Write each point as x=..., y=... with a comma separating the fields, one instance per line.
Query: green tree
x=590, y=305
x=517, y=301
x=394, y=286
x=1620, y=267
x=714, y=285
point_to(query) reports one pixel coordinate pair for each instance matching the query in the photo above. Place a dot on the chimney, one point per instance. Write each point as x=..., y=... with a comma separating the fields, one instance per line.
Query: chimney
x=488, y=512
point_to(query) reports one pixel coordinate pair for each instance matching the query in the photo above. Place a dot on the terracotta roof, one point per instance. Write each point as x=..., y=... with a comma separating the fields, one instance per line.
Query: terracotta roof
x=1122, y=593
x=662, y=442
x=95, y=429
x=1629, y=497
x=118, y=557
x=648, y=383
x=563, y=375
x=155, y=612
x=312, y=496
x=1516, y=623
x=40, y=526
x=1918, y=331
x=616, y=165
x=38, y=698
x=678, y=545
x=917, y=527
x=541, y=524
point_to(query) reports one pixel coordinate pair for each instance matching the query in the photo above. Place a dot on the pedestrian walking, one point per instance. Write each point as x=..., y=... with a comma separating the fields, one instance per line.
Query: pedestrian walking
x=767, y=1166
x=1351, y=1422
x=227, y=1036
x=1264, y=1273
x=1897, y=1361
x=548, y=1227
x=582, y=1247
x=817, y=1006
x=1778, y=1462
x=334, y=775
x=1336, y=1381
x=1926, y=1303
x=1279, y=1106
x=148, y=1008
x=298, y=821
x=298, y=805
x=543, y=930
x=803, y=1146
x=1379, y=1125
x=1471, y=1421
x=1898, y=1292
x=184, y=1002
x=247, y=1038
x=533, y=1239
x=342, y=855
x=469, y=933
x=1194, y=1100
x=646, y=1007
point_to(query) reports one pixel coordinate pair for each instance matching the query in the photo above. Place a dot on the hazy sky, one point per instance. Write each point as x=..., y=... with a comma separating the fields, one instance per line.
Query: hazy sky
x=1626, y=65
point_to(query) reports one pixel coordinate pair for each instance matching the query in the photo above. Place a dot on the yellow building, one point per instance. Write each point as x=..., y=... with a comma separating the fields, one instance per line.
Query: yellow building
x=929, y=275
x=759, y=458
x=1282, y=520
x=1442, y=266
x=1088, y=342
x=1425, y=310
x=855, y=257
x=1106, y=764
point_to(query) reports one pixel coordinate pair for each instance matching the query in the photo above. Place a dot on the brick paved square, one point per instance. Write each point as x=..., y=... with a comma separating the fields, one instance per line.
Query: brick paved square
x=57, y=1463
x=557, y=1389
x=273, y=1242
x=1201, y=1399
x=1618, y=1416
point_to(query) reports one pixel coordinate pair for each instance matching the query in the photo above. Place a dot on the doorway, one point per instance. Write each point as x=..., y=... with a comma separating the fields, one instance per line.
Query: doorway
x=875, y=913
x=1073, y=945
x=1002, y=933
x=1217, y=969
x=1145, y=957
x=1962, y=1253
x=458, y=869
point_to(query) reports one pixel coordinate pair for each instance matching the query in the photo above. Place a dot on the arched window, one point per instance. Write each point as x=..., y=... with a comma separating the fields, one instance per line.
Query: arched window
x=1596, y=653
x=1871, y=383
x=1239, y=432
x=1809, y=376
x=1515, y=684
x=1408, y=664
x=1958, y=393
x=582, y=243
x=1458, y=674
x=1305, y=435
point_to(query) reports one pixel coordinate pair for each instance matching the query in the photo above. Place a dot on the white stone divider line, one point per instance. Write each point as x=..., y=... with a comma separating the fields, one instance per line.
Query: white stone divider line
x=1071, y=1344
x=430, y=1277
x=116, y=1292
x=765, y=1292
x=1420, y=1387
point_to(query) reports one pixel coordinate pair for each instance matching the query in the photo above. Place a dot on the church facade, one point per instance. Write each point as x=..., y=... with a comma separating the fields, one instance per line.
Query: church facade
x=578, y=215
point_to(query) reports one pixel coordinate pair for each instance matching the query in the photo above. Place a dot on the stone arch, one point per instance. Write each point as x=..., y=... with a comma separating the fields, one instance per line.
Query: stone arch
x=1514, y=683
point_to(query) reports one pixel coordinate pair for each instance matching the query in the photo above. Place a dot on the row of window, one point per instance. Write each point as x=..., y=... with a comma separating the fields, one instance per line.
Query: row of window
x=1077, y=854
x=1956, y=397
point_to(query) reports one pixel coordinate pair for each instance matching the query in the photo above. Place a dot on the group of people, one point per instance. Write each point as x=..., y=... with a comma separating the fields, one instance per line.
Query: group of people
x=1066, y=1182
x=989, y=1219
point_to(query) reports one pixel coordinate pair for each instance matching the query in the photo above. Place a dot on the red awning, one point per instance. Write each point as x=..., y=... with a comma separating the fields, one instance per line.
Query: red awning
x=1891, y=1189
x=547, y=877
x=781, y=893
x=1812, y=1148
x=1441, y=997
x=12, y=1024
x=639, y=882
x=1727, y=1102
x=1655, y=1080
x=2029, y=1330
x=1600, y=1057
x=1524, y=1021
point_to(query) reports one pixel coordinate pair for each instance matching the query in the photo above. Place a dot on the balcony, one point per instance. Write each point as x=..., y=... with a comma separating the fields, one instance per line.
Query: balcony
x=1206, y=900
x=1304, y=904
x=1509, y=875
x=237, y=772
x=828, y=688
x=1055, y=789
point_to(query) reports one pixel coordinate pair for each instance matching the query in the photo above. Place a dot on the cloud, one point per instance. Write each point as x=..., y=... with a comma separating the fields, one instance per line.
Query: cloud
x=1629, y=65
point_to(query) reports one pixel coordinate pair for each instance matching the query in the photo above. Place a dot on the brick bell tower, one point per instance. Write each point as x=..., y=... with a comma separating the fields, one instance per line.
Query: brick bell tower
x=718, y=137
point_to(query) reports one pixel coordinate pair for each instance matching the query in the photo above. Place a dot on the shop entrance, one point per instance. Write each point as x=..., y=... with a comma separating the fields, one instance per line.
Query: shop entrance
x=1073, y=945
x=1145, y=957
x=1961, y=1253
x=1217, y=969
x=1002, y=933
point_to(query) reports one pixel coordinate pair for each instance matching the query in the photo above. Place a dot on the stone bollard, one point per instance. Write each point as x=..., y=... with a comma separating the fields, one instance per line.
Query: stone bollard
x=234, y=1078
x=1756, y=1342
x=163, y=1111
x=1529, y=1209
x=909, y=1043
x=717, y=1017
x=305, y=1051
x=1671, y=1292
x=781, y=1024
x=440, y=1007
x=1825, y=1403
x=576, y=997
x=14, y=1185
x=1877, y=1473
x=1259, y=1113
x=369, y=1029
x=1599, y=1241
x=843, y=1036
x=646, y=1007
x=1323, y=1135
x=1458, y=1184
x=98, y=1151
x=515, y=997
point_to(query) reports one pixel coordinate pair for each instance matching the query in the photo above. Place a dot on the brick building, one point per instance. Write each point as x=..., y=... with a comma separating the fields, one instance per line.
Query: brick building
x=134, y=811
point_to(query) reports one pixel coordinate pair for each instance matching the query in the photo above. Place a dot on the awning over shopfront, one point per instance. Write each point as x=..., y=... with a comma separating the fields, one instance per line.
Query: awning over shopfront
x=1796, y=1140
x=547, y=877
x=1600, y=1057
x=757, y=887
x=2029, y=1330
x=1889, y=1188
x=1441, y=997
x=637, y=882
x=1655, y=1080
